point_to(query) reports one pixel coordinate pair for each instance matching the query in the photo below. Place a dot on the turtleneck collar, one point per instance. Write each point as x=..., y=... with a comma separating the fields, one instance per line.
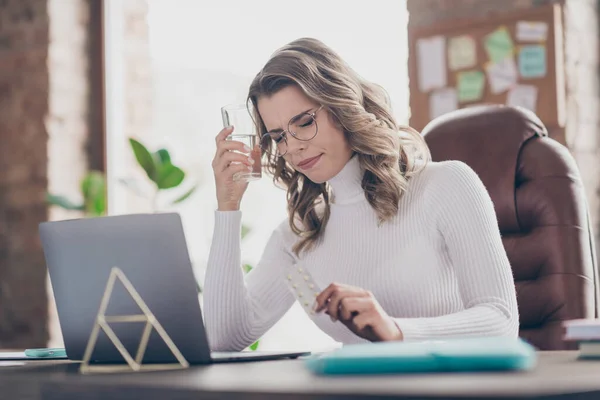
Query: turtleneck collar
x=346, y=185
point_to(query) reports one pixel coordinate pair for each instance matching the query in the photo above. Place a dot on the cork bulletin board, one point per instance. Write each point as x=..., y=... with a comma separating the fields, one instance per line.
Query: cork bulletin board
x=515, y=59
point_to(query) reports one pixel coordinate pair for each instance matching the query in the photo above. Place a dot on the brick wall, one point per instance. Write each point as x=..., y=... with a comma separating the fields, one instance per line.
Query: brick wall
x=138, y=105
x=582, y=66
x=138, y=73
x=67, y=122
x=68, y=108
x=24, y=85
x=46, y=104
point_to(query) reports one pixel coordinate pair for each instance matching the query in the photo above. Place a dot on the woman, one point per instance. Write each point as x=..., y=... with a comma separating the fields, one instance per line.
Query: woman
x=403, y=248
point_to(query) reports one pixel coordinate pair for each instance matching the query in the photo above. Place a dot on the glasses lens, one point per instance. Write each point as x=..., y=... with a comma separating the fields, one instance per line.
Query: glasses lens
x=303, y=127
x=274, y=144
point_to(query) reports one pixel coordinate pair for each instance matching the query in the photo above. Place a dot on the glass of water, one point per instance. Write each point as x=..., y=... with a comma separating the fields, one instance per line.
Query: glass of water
x=244, y=131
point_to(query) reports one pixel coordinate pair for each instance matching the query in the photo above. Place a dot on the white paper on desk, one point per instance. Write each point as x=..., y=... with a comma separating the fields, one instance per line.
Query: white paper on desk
x=528, y=31
x=523, y=96
x=431, y=63
x=442, y=101
x=13, y=355
x=502, y=75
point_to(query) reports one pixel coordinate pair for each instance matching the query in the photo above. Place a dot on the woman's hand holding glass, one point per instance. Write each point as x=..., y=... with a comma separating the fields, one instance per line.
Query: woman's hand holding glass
x=231, y=158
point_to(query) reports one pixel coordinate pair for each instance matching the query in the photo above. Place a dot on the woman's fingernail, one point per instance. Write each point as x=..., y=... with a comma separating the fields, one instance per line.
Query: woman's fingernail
x=250, y=169
x=251, y=159
x=246, y=147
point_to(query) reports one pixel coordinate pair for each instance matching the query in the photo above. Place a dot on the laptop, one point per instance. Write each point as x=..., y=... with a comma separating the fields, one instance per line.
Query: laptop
x=151, y=251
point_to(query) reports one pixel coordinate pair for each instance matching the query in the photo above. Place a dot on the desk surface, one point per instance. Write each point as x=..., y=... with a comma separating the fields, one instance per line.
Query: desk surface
x=558, y=375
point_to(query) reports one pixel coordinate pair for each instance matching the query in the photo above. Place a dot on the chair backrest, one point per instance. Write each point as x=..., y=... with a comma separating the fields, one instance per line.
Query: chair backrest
x=541, y=208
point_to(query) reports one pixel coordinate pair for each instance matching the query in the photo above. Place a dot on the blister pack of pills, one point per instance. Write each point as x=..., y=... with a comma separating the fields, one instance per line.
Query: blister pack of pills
x=304, y=288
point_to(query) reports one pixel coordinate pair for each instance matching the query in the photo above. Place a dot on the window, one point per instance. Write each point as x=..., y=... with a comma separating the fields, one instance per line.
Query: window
x=203, y=55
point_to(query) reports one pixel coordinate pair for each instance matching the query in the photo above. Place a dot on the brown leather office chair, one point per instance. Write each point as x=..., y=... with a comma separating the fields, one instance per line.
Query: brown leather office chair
x=541, y=208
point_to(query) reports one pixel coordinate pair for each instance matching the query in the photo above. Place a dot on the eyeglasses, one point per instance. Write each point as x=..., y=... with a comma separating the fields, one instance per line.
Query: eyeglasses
x=302, y=127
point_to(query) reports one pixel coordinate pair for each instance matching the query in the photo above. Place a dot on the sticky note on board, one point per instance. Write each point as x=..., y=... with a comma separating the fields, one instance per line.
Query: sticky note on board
x=431, y=63
x=502, y=75
x=462, y=52
x=532, y=31
x=532, y=61
x=523, y=96
x=470, y=85
x=442, y=101
x=498, y=44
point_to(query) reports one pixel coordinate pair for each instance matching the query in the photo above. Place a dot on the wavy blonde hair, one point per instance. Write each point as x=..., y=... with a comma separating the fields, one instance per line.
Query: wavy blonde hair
x=387, y=152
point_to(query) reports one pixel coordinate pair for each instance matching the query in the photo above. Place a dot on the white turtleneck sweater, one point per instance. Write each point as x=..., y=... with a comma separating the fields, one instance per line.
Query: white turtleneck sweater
x=438, y=268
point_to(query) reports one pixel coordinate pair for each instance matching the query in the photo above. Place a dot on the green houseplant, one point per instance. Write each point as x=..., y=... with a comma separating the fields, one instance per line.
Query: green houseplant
x=162, y=172
x=93, y=194
x=158, y=166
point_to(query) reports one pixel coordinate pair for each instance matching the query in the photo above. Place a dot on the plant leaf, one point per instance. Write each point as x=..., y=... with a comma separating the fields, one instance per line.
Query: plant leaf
x=144, y=158
x=63, y=202
x=254, y=345
x=163, y=156
x=169, y=176
x=185, y=195
x=97, y=208
x=93, y=188
x=245, y=230
x=100, y=199
x=247, y=268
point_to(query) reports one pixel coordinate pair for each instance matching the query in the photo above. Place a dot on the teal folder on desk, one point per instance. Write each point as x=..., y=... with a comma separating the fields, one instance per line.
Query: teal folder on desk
x=451, y=355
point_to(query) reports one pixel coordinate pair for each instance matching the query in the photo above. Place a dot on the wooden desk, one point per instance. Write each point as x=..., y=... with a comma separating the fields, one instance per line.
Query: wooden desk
x=558, y=376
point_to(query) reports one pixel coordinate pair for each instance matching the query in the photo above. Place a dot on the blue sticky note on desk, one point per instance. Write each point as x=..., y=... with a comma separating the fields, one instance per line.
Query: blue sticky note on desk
x=449, y=355
x=532, y=61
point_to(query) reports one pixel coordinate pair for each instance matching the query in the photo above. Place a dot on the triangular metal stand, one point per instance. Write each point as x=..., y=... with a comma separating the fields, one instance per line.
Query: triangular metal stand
x=102, y=321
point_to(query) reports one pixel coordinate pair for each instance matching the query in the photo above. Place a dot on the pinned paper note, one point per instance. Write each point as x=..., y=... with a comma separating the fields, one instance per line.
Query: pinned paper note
x=499, y=45
x=532, y=61
x=462, y=52
x=431, y=63
x=470, y=85
x=523, y=96
x=502, y=75
x=442, y=101
x=532, y=31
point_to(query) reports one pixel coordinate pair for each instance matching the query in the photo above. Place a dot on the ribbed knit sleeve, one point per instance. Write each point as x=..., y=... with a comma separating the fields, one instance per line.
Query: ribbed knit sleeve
x=466, y=219
x=239, y=309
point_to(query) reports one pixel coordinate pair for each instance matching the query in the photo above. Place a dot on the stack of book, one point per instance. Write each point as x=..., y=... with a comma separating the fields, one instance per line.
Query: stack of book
x=586, y=332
